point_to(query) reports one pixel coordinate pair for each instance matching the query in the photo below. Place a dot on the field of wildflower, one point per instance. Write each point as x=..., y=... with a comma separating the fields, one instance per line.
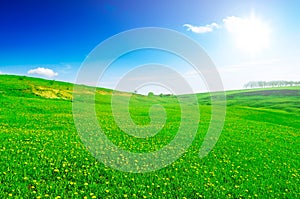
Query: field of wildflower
x=42, y=155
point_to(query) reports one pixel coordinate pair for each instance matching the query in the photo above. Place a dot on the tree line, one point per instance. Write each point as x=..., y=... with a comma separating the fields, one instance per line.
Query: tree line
x=263, y=84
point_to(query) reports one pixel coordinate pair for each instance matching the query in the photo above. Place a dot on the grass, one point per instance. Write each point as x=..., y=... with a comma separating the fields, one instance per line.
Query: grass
x=42, y=156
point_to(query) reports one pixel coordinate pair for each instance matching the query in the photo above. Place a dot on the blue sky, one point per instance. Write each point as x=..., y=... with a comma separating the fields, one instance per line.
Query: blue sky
x=56, y=36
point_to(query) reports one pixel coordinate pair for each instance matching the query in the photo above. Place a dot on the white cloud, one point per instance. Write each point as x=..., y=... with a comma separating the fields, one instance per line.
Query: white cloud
x=234, y=24
x=201, y=29
x=43, y=72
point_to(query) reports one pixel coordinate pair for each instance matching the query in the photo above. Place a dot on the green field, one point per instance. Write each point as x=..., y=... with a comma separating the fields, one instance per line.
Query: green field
x=42, y=156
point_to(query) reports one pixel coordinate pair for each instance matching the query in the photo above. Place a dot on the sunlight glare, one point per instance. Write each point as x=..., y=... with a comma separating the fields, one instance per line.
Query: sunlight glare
x=251, y=34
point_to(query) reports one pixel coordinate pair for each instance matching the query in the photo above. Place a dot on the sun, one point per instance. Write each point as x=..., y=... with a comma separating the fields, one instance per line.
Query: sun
x=251, y=35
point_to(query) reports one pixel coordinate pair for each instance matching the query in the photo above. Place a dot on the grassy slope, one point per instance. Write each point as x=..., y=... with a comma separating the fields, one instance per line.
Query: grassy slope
x=257, y=154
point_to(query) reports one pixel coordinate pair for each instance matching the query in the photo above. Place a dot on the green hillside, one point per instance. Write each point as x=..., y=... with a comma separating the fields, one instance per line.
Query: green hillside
x=42, y=156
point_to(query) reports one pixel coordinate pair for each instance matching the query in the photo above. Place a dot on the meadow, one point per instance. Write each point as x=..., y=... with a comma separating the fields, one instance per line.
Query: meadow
x=42, y=155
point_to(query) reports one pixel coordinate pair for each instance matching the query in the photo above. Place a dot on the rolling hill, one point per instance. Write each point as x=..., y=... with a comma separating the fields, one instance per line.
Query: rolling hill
x=42, y=155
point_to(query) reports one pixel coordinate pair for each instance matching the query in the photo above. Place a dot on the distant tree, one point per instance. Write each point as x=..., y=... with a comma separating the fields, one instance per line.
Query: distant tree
x=263, y=84
x=260, y=84
x=272, y=83
x=150, y=94
x=290, y=83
